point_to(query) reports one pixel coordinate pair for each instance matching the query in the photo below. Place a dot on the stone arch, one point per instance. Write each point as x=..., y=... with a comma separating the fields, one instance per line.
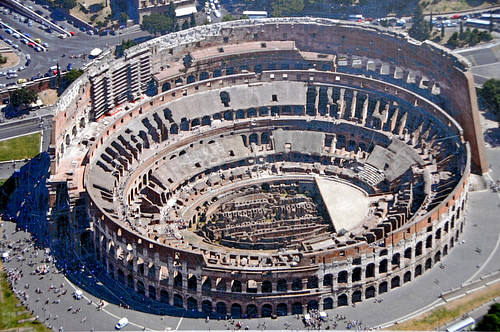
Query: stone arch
x=356, y=274
x=356, y=296
x=342, y=277
x=236, y=310
x=281, y=285
x=195, y=122
x=370, y=270
x=207, y=285
x=312, y=305
x=152, y=292
x=382, y=287
x=178, y=301
x=263, y=111
x=395, y=282
x=264, y=138
x=297, y=284
x=418, y=270
x=428, y=241
x=266, y=310
x=236, y=286
x=282, y=309
x=407, y=253
x=221, y=308
x=220, y=285
x=251, y=286
x=192, y=304
x=297, y=308
x=437, y=257
x=178, y=279
x=140, y=288
x=252, y=311
x=327, y=303
x=382, y=266
x=206, y=307
x=252, y=112
x=130, y=281
x=174, y=129
x=341, y=141
x=407, y=277
x=164, y=296
x=253, y=138
x=328, y=280
x=192, y=283
x=228, y=115
x=206, y=121
x=275, y=110
x=191, y=79
x=352, y=145
x=204, y=75
x=267, y=286
x=370, y=292
x=342, y=300
x=240, y=114
x=312, y=282
x=217, y=73
x=445, y=250
x=428, y=263
x=418, y=249
x=165, y=87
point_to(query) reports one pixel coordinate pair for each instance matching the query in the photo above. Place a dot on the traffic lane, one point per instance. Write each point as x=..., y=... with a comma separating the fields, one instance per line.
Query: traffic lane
x=19, y=128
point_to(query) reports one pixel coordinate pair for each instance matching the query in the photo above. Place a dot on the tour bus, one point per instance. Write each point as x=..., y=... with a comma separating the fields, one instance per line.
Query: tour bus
x=467, y=324
x=255, y=14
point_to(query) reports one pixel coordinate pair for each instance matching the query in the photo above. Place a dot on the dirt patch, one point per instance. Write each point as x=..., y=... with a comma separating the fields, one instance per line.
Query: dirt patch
x=48, y=97
x=447, y=6
x=92, y=11
x=12, y=58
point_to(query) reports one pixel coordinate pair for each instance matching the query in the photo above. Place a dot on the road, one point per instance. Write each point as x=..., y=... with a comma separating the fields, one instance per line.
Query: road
x=485, y=60
x=60, y=51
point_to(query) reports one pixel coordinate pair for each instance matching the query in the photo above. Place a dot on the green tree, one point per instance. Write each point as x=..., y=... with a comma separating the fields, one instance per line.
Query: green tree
x=442, y=30
x=123, y=17
x=287, y=7
x=185, y=25
x=490, y=322
x=227, y=18
x=453, y=40
x=420, y=28
x=72, y=75
x=3, y=59
x=157, y=23
x=461, y=32
x=171, y=10
x=66, y=4
x=23, y=97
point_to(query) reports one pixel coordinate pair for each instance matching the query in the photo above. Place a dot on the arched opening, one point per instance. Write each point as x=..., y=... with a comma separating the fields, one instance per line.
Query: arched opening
x=370, y=292
x=356, y=274
x=178, y=280
x=195, y=122
x=342, y=300
x=165, y=87
x=328, y=303
x=281, y=285
x=253, y=138
x=418, y=270
x=437, y=257
x=178, y=302
x=356, y=296
x=395, y=282
x=407, y=277
x=418, y=249
x=236, y=286
x=267, y=286
x=408, y=253
x=328, y=280
x=240, y=114
x=282, y=309
x=164, y=296
x=207, y=285
x=396, y=258
x=192, y=304
x=205, y=121
x=382, y=267
x=297, y=284
x=312, y=282
x=174, y=129
x=204, y=75
x=252, y=311
x=206, y=307
x=312, y=305
x=130, y=281
x=382, y=288
x=342, y=277
x=297, y=308
x=263, y=111
x=445, y=250
x=251, y=286
x=152, y=292
x=428, y=242
x=192, y=283
x=221, y=308
x=217, y=73
x=191, y=79
x=121, y=276
x=340, y=141
x=236, y=310
x=352, y=145
x=428, y=264
x=264, y=138
x=370, y=270
x=228, y=115
x=251, y=113
x=267, y=310
x=140, y=288
x=220, y=285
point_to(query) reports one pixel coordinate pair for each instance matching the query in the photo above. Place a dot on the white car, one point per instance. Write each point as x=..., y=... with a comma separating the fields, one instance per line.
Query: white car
x=209, y=19
x=212, y=5
x=216, y=13
x=121, y=323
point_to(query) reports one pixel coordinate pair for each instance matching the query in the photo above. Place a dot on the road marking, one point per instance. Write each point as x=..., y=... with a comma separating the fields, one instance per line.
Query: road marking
x=179, y=324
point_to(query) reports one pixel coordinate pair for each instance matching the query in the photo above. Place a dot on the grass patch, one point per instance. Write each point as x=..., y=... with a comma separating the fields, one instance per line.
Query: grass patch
x=20, y=147
x=450, y=311
x=8, y=312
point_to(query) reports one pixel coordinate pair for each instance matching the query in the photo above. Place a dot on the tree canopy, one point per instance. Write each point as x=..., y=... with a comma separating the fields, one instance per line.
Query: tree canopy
x=490, y=322
x=66, y=4
x=420, y=29
x=23, y=97
x=157, y=23
x=491, y=93
x=287, y=7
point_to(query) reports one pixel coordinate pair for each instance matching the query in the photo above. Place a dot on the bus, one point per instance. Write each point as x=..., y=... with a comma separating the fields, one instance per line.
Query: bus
x=464, y=325
x=255, y=14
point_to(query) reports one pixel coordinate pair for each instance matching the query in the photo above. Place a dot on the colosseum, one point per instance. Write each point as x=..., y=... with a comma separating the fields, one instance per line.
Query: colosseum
x=266, y=167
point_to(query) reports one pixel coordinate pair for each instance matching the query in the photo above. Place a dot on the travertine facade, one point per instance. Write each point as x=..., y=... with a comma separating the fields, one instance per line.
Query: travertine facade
x=223, y=192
